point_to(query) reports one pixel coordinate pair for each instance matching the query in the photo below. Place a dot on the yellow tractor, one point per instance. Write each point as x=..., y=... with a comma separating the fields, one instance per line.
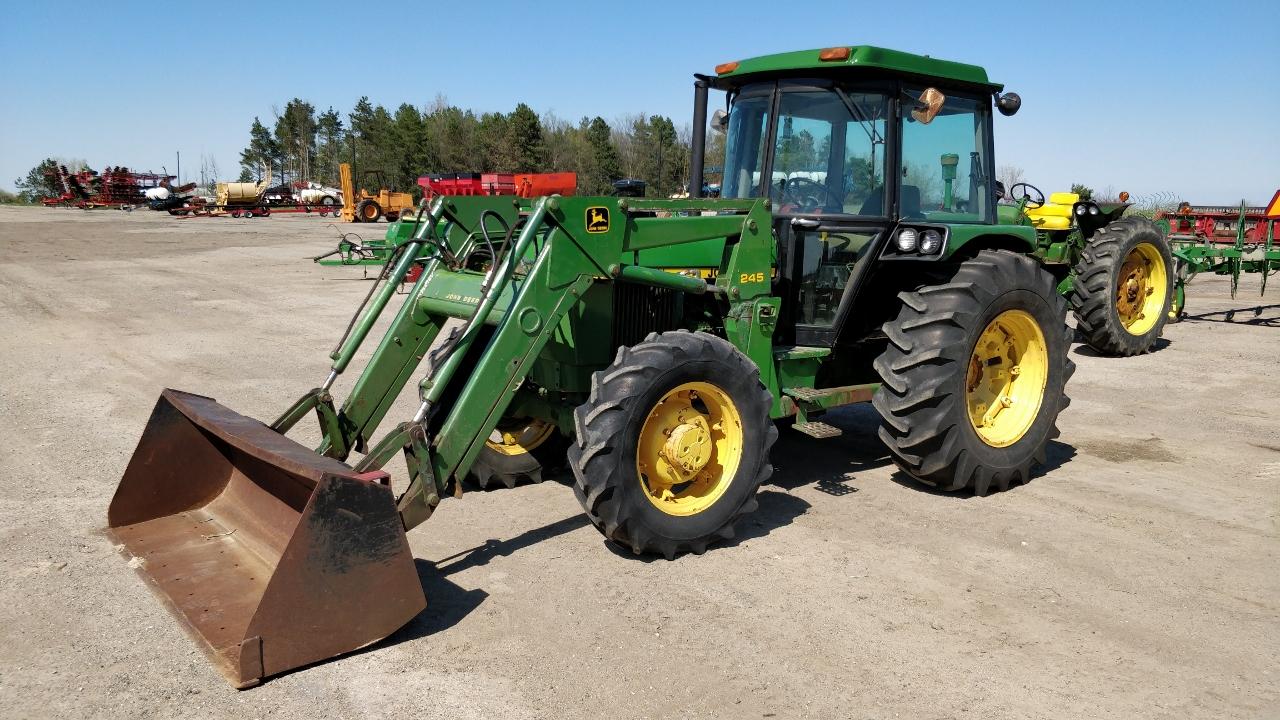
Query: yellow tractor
x=366, y=207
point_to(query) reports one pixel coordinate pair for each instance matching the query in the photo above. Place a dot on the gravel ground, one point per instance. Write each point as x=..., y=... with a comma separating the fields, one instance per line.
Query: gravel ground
x=1135, y=578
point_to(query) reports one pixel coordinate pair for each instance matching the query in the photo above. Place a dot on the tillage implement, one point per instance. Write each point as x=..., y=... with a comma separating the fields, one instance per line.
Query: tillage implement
x=653, y=346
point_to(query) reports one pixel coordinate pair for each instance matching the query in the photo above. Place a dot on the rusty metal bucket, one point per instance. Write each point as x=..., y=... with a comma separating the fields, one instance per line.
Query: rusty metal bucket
x=273, y=556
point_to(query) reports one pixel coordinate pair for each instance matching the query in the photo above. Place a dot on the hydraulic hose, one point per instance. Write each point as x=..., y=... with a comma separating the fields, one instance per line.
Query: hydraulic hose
x=446, y=347
x=438, y=376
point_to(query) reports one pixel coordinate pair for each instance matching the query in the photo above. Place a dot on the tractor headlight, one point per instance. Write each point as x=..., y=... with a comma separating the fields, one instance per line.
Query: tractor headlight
x=931, y=242
x=907, y=239
x=1081, y=209
x=1093, y=210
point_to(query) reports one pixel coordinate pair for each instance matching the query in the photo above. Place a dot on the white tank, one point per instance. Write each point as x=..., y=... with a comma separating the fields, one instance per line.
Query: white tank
x=316, y=193
x=158, y=193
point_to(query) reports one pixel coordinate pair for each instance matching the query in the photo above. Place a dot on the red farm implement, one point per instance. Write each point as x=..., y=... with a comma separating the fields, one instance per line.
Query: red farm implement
x=1221, y=224
x=1223, y=241
x=117, y=187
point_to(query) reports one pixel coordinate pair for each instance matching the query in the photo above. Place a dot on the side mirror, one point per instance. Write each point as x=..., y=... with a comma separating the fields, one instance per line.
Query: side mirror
x=720, y=121
x=928, y=106
x=1008, y=103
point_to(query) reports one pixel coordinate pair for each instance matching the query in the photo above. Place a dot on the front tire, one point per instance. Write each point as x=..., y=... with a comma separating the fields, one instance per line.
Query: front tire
x=518, y=450
x=1124, y=287
x=369, y=211
x=672, y=443
x=974, y=373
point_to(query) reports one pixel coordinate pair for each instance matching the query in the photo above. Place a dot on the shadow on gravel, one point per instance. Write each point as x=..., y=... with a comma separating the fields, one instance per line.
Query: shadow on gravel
x=776, y=510
x=482, y=554
x=447, y=603
x=830, y=464
x=1056, y=453
x=1086, y=351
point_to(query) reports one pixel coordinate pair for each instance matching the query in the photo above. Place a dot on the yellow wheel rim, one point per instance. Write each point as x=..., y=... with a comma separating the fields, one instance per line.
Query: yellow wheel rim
x=1141, y=289
x=1007, y=374
x=689, y=448
x=519, y=437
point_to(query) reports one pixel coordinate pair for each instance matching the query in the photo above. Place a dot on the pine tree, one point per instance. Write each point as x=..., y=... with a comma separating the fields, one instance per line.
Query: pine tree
x=606, y=166
x=495, y=141
x=412, y=147
x=262, y=152
x=40, y=182
x=360, y=121
x=454, y=138
x=295, y=136
x=329, y=148
x=526, y=137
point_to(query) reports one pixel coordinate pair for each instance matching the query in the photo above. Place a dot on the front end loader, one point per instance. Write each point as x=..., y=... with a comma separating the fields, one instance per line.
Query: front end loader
x=651, y=345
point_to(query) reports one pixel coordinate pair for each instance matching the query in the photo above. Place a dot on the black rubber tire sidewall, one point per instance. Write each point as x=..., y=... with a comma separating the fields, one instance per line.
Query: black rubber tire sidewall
x=1112, y=337
x=1023, y=451
x=1149, y=236
x=744, y=391
x=364, y=204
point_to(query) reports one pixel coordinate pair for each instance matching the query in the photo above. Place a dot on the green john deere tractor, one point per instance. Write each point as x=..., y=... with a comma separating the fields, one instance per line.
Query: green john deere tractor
x=1116, y=271
x=652, y=345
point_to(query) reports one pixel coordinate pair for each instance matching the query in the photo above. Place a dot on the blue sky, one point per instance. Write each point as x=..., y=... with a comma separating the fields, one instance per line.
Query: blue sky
x=1150, y=97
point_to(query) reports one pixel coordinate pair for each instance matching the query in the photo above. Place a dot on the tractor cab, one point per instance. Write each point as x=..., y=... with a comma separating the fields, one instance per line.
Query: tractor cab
x=865, y=155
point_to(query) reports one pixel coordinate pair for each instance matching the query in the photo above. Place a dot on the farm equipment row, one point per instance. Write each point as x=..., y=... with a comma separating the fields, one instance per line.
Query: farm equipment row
x=114, y=187
x=250, y=199
x=196, y=208
x=378, y=252
x=1203, y=241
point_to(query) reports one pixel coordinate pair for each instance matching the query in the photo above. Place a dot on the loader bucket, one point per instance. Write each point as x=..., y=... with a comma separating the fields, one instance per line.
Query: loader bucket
x=273, y=556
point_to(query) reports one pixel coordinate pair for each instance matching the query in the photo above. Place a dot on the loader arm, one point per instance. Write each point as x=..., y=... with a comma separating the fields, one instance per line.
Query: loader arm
x=553, y=261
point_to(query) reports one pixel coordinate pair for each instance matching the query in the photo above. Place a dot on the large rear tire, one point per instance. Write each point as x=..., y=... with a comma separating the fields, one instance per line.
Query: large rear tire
x=1124, y=287
x=368, y=211
x=672, y=443
x=974, y=373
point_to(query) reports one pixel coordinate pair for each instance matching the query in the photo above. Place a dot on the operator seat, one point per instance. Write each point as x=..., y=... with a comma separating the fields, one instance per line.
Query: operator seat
x=1055, y=214
x=910, y=202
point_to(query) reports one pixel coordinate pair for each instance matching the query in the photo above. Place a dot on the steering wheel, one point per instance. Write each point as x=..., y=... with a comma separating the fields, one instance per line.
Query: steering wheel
x=808, y=194
x=1030, y=194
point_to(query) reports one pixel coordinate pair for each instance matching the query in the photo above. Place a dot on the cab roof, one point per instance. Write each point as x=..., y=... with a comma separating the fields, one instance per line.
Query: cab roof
x=865, y=57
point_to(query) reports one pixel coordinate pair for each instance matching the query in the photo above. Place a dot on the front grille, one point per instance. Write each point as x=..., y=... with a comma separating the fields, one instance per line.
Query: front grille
x=639, y=310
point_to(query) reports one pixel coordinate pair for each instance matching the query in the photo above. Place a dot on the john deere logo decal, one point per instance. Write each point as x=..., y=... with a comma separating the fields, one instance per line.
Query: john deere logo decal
x=597, y=220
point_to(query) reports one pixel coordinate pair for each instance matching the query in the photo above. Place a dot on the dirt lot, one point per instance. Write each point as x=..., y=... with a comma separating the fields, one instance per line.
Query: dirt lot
x=1138, y=576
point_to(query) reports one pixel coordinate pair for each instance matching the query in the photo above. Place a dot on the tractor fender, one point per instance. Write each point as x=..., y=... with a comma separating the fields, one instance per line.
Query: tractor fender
x=965, y=241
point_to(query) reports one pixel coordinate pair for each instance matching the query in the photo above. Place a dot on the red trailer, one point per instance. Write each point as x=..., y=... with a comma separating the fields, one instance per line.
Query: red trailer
x=521, y=184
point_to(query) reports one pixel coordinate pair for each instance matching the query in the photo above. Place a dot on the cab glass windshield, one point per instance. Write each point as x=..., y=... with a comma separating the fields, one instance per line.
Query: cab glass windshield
x=944, y=163
x=828, y=152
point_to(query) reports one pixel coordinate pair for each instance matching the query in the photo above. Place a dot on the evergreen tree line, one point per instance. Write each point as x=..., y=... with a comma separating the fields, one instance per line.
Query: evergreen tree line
x=409, y=142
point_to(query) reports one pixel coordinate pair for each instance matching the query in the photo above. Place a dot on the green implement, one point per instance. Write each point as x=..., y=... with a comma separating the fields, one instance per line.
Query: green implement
x=1195, y=253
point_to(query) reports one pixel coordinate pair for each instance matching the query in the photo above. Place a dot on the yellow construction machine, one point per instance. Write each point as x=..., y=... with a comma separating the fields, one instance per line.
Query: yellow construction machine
x=366, y=207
